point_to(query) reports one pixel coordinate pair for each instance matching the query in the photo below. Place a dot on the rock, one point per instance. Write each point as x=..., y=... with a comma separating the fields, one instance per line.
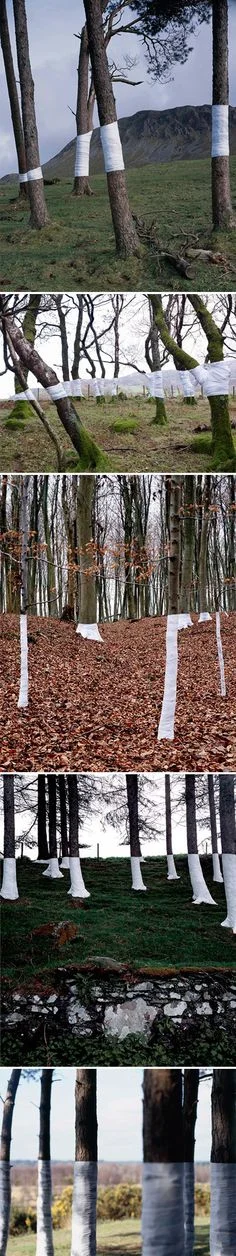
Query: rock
x=61, y=933
x=127, y=1018
x=14, y=1018
x=104, y=961
x=52, y=998
x=175, y=1009
x=77, y=1013
x=204, y=1009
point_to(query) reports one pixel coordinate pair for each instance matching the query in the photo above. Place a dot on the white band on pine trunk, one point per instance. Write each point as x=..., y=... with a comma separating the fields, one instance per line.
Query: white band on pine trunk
x=162, y=1209
x=82, y=150
x=137, y=880
x=229, y=875
x=65, y=862
x=23, y=694
x=77, y=886
x=220, y=131
x=217, y=874
x=23, y=178
x=184, y=620
x=112, y=147
x=34, y=174
x=201, y=894
x=5, y=1203
x=172, y=874
x=223, y=1209
x=90, y=631
x=166, y=725
x=220, y=656
x=44, y=1243
x=9, y=882
x=53, y=869
x=84, y=1202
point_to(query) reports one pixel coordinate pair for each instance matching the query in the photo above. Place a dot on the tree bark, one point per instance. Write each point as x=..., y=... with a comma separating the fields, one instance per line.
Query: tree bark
x=77, y=887
x=163, y=1154
x=201, y=893
x=126, y=237
x=63, y=815
x=172, y=874
x=188, y=542
x=88, y=594
x=85, y=1170
x=5, y=1179
x=9, y=882
x=222, y=212
x=43, y=851
x=217, y=875
x=174, y=553
x=44, y=1243
x=191, y=1084
x=13, y=98
x=52, y=815
x=81, y=182
x=223, y=1157
x=135, y=849
x=228, y=842
x=39, y=214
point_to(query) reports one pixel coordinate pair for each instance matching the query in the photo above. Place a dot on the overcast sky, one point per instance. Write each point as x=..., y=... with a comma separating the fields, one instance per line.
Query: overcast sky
x=52, y=26
x=119, y=1115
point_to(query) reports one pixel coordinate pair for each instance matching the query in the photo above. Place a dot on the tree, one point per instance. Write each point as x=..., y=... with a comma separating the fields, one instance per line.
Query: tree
x=217, y=874
x=9, y=888
x=125, y=233
x=24, y=682
x=172, y=874
x=85, y=1169
x=44, y=1243
x=201, y=894
x=5, y=1167
x=87, y=626
x=166, y=725
x=135, y=849
x=228, y=842
x=61, y=781
x=77, y=887
x=223, y=1157
x=43, y=852
x=163, y=1167
x=22, y=410
x=39, y=214
x=222, y=212
x=205, y=505
x=53, y=869
x=188, y=549
x=191, y=1084
x=13, y=100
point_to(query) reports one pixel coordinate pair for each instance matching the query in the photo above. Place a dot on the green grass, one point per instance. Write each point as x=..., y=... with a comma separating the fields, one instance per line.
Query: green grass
x=159, y=930
x=77, y=249
x=117, y=1237
x=124, y=431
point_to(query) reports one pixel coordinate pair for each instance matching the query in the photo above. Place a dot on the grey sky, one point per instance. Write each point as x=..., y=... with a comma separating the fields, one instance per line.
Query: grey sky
x=52, y=26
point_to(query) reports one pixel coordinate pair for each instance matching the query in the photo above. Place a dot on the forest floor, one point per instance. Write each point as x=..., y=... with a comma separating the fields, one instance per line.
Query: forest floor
x=76, y=250
x=96, y=707
x=117, y=1237
x=125, y=431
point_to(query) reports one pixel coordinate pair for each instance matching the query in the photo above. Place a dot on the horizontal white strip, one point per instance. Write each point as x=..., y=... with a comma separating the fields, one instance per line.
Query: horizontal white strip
x=112, y=147
x=220, y=131
x=82, y=150
x=166, y=725
x=217, y=378
x=56, y=390
x=220, y=656
x=90, y=631
x=23, y=178
x=34, y=174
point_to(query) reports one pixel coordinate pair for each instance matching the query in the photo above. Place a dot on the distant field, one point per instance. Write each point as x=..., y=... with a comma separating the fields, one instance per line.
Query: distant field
x=117, y=1237
x=77, y=248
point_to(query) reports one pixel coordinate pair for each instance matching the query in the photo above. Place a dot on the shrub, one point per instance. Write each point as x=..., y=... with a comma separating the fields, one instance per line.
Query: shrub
x=202, y=1198
x=115, y=1202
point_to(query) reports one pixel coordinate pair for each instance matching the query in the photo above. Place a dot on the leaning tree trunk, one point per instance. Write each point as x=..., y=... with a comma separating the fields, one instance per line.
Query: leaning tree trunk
x=201, y=894
x=85, y=1170
x=125, y=233
x=24, y=678
x=84, y=134
x=44, y=1242
x=9, y=888
x=172, y=874
x=222, y=212
x=191, y=1084
x=152, y=353
x=53, y=869
x=43, y=851
x=223, y=1158
x=87, y=626
x=163, y=1167
x=22, y=410
x=77, y=887
x=13, y=100
x=61, y=780
x=188, y=550
x=217, y=874
x=5, y=1168
x=228, y=842
x=135, y=849
x=39, y=214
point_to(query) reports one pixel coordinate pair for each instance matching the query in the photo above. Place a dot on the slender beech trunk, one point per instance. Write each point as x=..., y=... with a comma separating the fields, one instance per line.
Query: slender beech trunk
x=172, y=874
x=24, y=526
x=228, y=842
x=53, y=870
x=44, y=1243
x=43, y=851
x=85, y=1170
x=163, y=1167
x=13, y=99
x=152, y=352
x=61, y=780
x=39, y=214
x=217, y=874
x=77, y=887
x=87, y=625
x=201, y=893
x=5, y=1168
x=222, y=212
x=9, y=882
x=188, y=544
x=135, y=849
x=174, y=552
x=22, y=410
x=191, y=1084
x=83, y=120
x=126, y=237
x=206, y=501
x=223, y=1159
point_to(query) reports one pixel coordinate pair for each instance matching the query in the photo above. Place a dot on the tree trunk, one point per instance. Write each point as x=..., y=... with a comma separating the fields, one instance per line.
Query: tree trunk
x=135, y=849
x=9, y=882
x=222, y=212
x=44, y=1243
x=61, y=780
x=126, y=237
x=39, y=214
x=43, y=852
x=87, y=626
x=22, y=410
x=188, y=547
x=5, y=1168
x=85, y=1169
x=217, y=874
x=174, y=552
x=163, y=1155
x=191, y=1084
x=81, y=181
x=77, y=887
x=13, y=100
x=206, y=501
x=53, y=870
x=228, y=842
x=223, y=1157
x=201, y=893
x=172, y=874
x=154, y=362
x=24, y=679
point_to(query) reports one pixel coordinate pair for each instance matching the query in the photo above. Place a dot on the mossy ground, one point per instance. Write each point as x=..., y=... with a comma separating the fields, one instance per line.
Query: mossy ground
x=118, y=1237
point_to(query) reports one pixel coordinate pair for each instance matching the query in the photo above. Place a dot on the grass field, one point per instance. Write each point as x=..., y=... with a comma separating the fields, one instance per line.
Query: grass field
x=140, y=446
x=161, y=929
x=77, y=248
x=117, y=1237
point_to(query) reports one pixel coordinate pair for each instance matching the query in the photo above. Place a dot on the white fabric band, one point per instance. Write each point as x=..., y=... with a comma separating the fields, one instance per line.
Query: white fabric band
x=23, y=178
x=77, y=886
x=44, y=1242
x=23, y=694
x=184, y=620
x=56, y=390
x=155, y=384
x=172, y=875
x=201, y=894
x=220, y=131
x=162, y=1209
x=90, y=631
x=137, y=880
x=84, y=1208
x=220, y=656
x=82, y=150
x=229, y=874
x=217, y=874
x=204, y=617
x=53, y=870
x=166, y=725
x=187, y=383
x=112, y=147
x=65, y=863
x=223, y=1209
x=5, y=1203
x=34, y=174
x=215, y=379
x=9, y=882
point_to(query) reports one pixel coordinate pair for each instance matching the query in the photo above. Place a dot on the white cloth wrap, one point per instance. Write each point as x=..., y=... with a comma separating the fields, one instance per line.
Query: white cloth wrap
x=204, y=617
x=184, y=620
x=65, y=862
x=23, y=178
x=112, y=147
x=77, y=886
x=220, y=131
x=220, y=656
x=186, y=382
x=155, y=384
x=217, y=381
x=223, y=1209
x=166, y=725
x=90, y=631
x=229, y=874
x=83, y=1241
x=201, y=894
x=162, y=1209
x=199, y=375
x=56, y=390
x=82, y=150
x=53, y=870
x=44, y=1242
x=9, y=881
x=5, y=1203
x=221, y=376
x=137, y=880
x=172, y=875
x=189, y=1207
x=217, y=874
x=34, y=174
x=23, y=694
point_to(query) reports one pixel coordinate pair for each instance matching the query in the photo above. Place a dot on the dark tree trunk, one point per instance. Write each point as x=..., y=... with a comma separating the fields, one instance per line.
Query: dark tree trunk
x=227, y=814
x=39, y=214
x=8, y=1109
x=191, y=813
x=191, y=1084
x=81, y=182
x=162, y=1115
x=9, y=816
x=45, y=1105
x=63, y=815
x=73, y=815
x=223, y=1101
x=222, y=213
x=86, y=1114
x=52, y=815
x=168, y=815
x=43, y=852
x=125, y=233
x=13, y=97
x=174, y=555
x=212, y=809
x=132, y=798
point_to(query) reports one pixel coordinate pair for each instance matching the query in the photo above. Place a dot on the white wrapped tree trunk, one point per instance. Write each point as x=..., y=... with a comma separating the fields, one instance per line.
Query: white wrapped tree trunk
x=217, y=874
x=89, y=631
x=83, y=1242
x=184, y=620
x=44, y=1242
x=223, y=1209
x=163, y=1209
x=204, y=617
x=188, y=1208
x=166, y=725
x=77, y=886
x=24, y=677
x=5, y=1204
x=65, y=862
x=9, y=887
x=172, y=875
x=23, y=694
x=201, y=894
x=53, y=870
x=137, y=880
x=229, y=875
